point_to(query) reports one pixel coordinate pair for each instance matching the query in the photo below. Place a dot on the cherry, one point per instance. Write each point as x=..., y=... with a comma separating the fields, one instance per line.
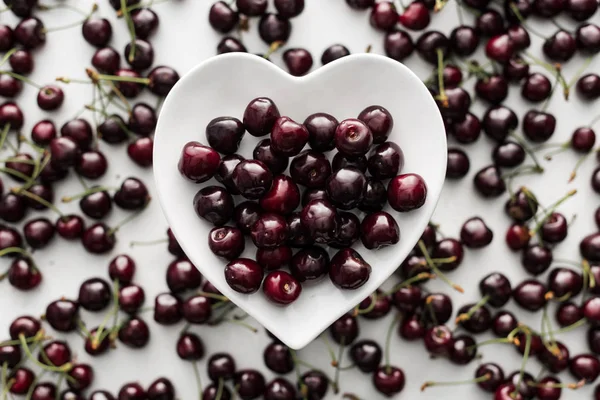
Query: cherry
x=398, y=45
x=536, y=259
x=132, y=195
x=547, y=389
x=22, y=379
x=10, y=113
x=488, y=182
x=463, y=350
x=346, y=187
x=568, y=313
x=167, y=309
x=128, y=89
x=134, y=333
x=319, y=218
x=407, y=298
x=214, y=204
x=589, y=247
x=145, y=21
x=538, y=126
x=142, y=119
x=480, y=320
x=504, y=323
x=182, y=275
x=522, y=206
x=593, y=339
x=252, y=178
x=162, y=79
x=378, y=230
x=23, y=274
x=198, y=163
x=197, y=309
x=9, y=86
x=348, y=230
x=225, y=171
x=536, y=88
x=62, y=315
x=30, y=33
x=508, y=154
x=94, y=294
x=70, y=227
x=112, y=130
x=591, y=309
x=560, y=47
x=458, y=103
x=264, y=153
x=549, y=8
x=96, y=205
x=82, y=376
x=280, y=389
x=516, y=69
x=475, y=233
x=389, y=380
x=507, y=391
x=288, y=137
x=95, y=344
x=226, y=242
x=106, y=60
x=530, y=295
x=384, y=16
x=131, y=298
x=246, y=214
x=50, y=97
x=269, y=231
x=587, y=38
x=579, y=10
x=321, y=128
x=500, y=48
x=412, y=328
x=334, y=52
x=583, y=139
x=289, y=8
x=495, y=374
x=344, y=330
x=97, y=31
x=309, y=264
x=274, y=28
x=496, y=287
x=493, y=88
x=272, y=259
x=221, y=366
x=385, y=161
x=447, y=248
x=489, y=23
x=38, y=233
x=468, y=130
x=375, y=196
x=585, y=367
x=415, y=16
x=555, y=363
x=161, y=389
x=519, y=37
x=44, y=391
x=311, y=169
x=56, y=353
x=440, y=308
x=250, y=384
x=278, y=358
x=407, y=192
x=91, y=164
x=525, y=386
x=252, y=8
x=348, y=270
x=24, y=325
x=366, y=355
x=7, y=39
x=360, y=4
x=132, y=391
x=244, y=275
x=429, y=43
x=230, y=45
x=463, y=40
x=9, y=237
x=438, y=340
x=588, y=86
x=524, y=8
x=143, y=56
x=211, y=393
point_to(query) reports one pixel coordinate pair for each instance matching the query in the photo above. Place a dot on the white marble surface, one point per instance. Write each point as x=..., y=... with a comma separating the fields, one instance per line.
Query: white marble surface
x=184, y=39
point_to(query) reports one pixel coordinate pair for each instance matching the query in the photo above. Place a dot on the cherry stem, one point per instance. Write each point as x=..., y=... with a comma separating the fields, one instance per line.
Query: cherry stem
x=388, y=341
x=127, y=220
x=466, y=316
x=336, y=379
x=576, y=167
x=16, y=173
x=219, y=389
x=141, y=5
x=38, y=199
x=549, y=99
x=551, y=343
x=519, y=16
x=297, y=370
x=64, y=368
x=74, y=24
x=22, y=78
x=572, y=386
x=130, y=134
x=594, y=120
x=100, y=335
x=148, y=243
x=569, y=328
x=482, y=378
x=370, y=307
x=490, y=341
x=131, y=29
x=439, y=4
x=529, y=151
x=212, y=296
x=329, y=349
x=350, y=396
x=10, y=250
x=198, y=379
x=473, y=68
x=34, y=384
x=417, y=278
x=114, y=78
x=525, y=358
x=437, y=271
x=240, y=323
x=554, y=69
x=4, y=135
x=550, y=211
x=440, y=73
x=273, y=48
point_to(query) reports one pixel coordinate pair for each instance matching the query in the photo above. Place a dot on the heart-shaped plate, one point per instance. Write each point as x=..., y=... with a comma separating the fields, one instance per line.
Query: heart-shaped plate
x=223, y=86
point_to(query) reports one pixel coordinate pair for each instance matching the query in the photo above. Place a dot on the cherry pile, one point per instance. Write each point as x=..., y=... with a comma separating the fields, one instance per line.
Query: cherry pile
x=332, y=189
x=51, y=353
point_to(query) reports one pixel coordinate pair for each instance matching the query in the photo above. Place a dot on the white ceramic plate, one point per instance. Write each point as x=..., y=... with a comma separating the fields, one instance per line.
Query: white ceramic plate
x=223, y=86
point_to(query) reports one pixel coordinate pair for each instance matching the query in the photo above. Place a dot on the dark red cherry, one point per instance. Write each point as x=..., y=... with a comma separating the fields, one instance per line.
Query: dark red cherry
x=246, y=214
x=319, y=218
x=555, y=363
x=554, y=229
x=530, y=295
x=440, y=308
x=289, y=8
x=7, y=38
x=22, y=379
x=131, y=298
x=464, y=40
x=252, y=8
x=463, y=350
x=346, y=187
x=523, y=7
x=145, y=21
x=21, y=62
x=244, y=275
x=348, y=230
x=70, y=227
x=475, y=233
x=182, y=275
x=538, y=126
x=589, y=247
x=334, y=52
x=276, y=258
x=98, y=239
x=548, y=388
x=412, y=328
x=310, y=169
x=263, y=152
x=348, y=270
x=489, y=23
x=488, y=182
x=9, y=86
x=162, y=79
x=221, y=366
x=23, y=274
x=197, y=309
x=142, y=119
x=106, y=60
x=468, y=130
x=525, y=384
x=587, y=38
x=274, y=28
x=161, y=389
x=269, y=231
x=496, y=287
x=508, y=154
x=214, y=204
x=536, y=259
x=97, y=31
x=493, y=89
x=389, y=380
x=50, y=97
x=398, y=45
x=353, y=138
x=132, y=391
x=252, y=178
x=568, y=313
x=378, y=230
x=288, y=137
x=579, y=10
x=366, y=355
x=407, y=192
x=230, y=45
x=132, y=195
x=30, y=33
x=438, y=340
x=282, y=198
x=198, y=163
x=479, y=321
x=250, y=384
x=143, y=56
x=375, y=196
x=55, y=353
x=548, y=8
x=384, y=16
x=96, y=205
x=281, y=288
x=129, y=89
x=536, y=88
x=360, y=4
x=38, y=232
x=385, y=161
x=62, y=315
x=167, y=309
x=345, y=329
x=496, y=377
x=591, y=309
x=415, y=16
x=504, y=323
x=260, y=116
x=91, y=164
x=95, y=294
x=82, y=376
x=588, y=86
x=10, y=113
x=429, y=43
x=560, y=47
x=321, y=129
x=309, y=264
x=226, y=242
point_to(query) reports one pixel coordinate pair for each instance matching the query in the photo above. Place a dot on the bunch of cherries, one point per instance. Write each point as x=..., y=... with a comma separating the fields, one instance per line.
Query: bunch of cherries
x=332, y=189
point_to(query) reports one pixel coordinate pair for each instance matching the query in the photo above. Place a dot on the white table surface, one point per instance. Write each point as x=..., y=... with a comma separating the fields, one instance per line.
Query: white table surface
x=184, y=38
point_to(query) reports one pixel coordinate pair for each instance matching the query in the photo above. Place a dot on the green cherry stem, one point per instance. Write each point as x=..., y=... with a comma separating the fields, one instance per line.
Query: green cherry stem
x=466, y=316
x=64, y=368
x=435, y=269
x=482, y=378
x=199, y=380
x=388, y=342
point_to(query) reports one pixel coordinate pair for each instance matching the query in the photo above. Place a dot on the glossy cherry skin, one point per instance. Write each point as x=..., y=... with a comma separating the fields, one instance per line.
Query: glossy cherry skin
x=589, y=247
x=348, y=270
x=97, y=31
x=145, y=22
x=38, y=233
x=94, y=294
x=415, y=16
x=132, y=195
x=345, y=329
x=23, y=274
x=311, y=169
x=398, y=45
x=475, y=233
x=555, y=363
x=525, y=387
x=62, y=315
x=132, y=391
x=298, y=61
x=389, y=380
x=498, y=122
x=346, y=187
x=587, y=38
x=462, y=351
x=226, y=242
x=288, y=137
x=280, y=389
x=438, y=340
x=198, y=163
x=468, y=130
x=378, y=230
x=95, y=347
x=50, y=97
x=214, y=204
x=269, y=231
x=366, y=355
x=162, y=79
x=91, y=164
x=583, y=139
x=493, y=89
x=289, y=8
x=10, y=237
x=230, y=45
x=480, y=320
x=412, y=328
x=497, y=288
x=547, y=389
x=375, y=196
x=538, y=126
x=22, y=378
x=360, y=4
x=591, y=309
x=489, y=22
x=504, y=323
x=321, y=128
x=250, y=383
x=161, y=389
x=536, y=88
x=197, y=309
x=246, y=214
x=428, y=44
x=488, y=182
x=496, y=376
x=385, y=161
x=143, y=56
x=142, y=119
x=446, y=248
x=30, y=32
x=407, y=192
x=129, y=89
x=221, y=366
x=334, y=52
x=348, y=230
x=536, y=259
x=263, y=152
x=252, y=178
x=96, y=205
x=70, y=227
x=55, y=353
x=281, y=288
x=26, y=326
x=508, y=154
x=383, y=16
x=167, y=309
x=10, y=113
x=500, y=48
x=319, y=218
x=353, y=138
x=568, y=313
x=106, y=60
x=530, y=295
x=516, y=69
x=554, y=229
x=276, y=258
x=507, y=391
x=244, y=275
x=560, y=47
x=9, y=86
x=588, y=86
x=260, y=116
x=225, y=170
x=309, y=264
x=274, y=28
x=131, y=298
x=580, y=10
x=182, y=275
